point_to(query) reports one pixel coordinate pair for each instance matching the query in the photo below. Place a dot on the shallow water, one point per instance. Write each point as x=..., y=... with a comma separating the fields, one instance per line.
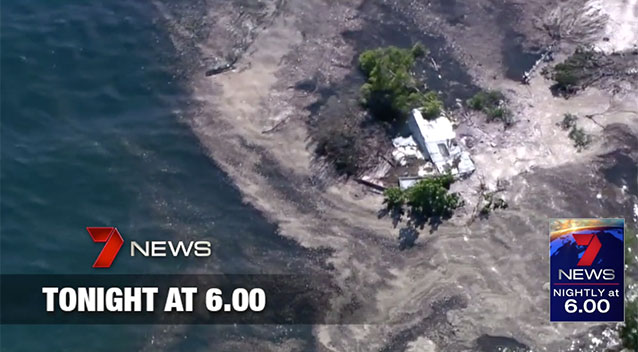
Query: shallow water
x=92, y=136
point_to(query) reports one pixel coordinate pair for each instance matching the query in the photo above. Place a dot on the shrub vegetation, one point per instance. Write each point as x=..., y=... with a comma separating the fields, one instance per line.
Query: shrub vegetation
x=576, y=134
x=391, y=90
x=629, y=330
x=492, y=202
x=340, y=139
x=631, y=248
x=485, y=99
x=580, y=138
x=492, y=103
x=574, y=72
x=569, y=121
x=342, y=148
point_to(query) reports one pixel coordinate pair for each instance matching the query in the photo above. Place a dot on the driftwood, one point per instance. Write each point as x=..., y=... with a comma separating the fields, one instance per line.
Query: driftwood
x=371, y=184
x=277, y=125
x=222, y=68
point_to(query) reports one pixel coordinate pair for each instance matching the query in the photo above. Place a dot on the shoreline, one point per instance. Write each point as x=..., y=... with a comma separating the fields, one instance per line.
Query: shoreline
x=458, y=267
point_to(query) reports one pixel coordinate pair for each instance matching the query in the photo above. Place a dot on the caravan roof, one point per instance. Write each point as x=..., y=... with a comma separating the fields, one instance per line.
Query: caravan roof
x=439, y=129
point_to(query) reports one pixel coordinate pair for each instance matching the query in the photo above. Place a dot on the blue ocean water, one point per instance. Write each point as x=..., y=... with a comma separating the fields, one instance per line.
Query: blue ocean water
x=92, y=135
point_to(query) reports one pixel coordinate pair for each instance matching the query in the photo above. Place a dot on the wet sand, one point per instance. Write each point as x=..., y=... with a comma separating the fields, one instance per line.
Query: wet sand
x=464, y=281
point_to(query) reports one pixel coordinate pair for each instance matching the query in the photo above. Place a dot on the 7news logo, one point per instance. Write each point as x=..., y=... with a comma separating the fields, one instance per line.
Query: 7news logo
x=592, y=247
x=586, y=270
x=113, y=242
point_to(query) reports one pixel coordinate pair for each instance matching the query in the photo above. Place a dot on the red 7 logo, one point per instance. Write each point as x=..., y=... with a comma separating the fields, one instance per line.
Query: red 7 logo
x=593, y=246
x=114, y=242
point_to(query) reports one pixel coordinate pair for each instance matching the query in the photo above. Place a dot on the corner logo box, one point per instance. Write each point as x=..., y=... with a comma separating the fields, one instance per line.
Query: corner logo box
x=587, y=262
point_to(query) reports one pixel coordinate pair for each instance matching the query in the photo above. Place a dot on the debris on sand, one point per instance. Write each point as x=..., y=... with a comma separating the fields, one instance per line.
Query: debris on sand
x=222, y=67
x=405, y=147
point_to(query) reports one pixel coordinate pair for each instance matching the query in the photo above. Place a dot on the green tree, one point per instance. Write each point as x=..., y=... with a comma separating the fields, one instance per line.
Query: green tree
x=394, y=198
x=431, y=105
x=431, y=197
x=390, y=91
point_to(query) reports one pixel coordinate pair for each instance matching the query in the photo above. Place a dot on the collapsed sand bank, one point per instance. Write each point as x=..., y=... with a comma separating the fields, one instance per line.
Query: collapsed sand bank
x=457, y=284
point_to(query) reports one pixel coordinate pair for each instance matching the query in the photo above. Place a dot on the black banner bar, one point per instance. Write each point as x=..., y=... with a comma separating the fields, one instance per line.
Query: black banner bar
x=289, y=299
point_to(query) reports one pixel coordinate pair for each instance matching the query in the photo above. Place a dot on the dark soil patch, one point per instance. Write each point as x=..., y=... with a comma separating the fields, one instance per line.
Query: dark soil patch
x=490, y=343
x=517, y=57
